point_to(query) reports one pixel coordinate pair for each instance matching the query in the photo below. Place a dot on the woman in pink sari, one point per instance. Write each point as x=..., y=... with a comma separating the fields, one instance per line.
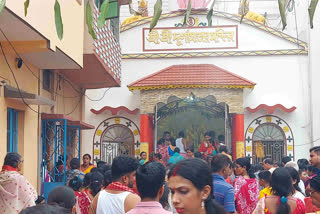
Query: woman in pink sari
x=163, y=150
x=16, y=193
x=246, y=188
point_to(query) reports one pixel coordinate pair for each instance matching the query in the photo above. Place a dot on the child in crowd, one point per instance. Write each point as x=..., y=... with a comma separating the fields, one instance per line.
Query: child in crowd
x=303, y=175
x=264, y=181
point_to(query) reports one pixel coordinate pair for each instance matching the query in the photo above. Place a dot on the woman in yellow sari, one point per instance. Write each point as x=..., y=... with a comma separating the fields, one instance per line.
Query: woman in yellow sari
x=86, y=165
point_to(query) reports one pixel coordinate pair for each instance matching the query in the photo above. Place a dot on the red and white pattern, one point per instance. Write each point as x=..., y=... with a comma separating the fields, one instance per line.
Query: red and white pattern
x=246, y=192
x=16, y=193
x=107, y=49
x=120, y=187
x=83, y=203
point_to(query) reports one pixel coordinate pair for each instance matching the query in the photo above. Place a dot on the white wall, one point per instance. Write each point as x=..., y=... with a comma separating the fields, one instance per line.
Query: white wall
x=96, y=119
x=279, y=79
x=315, y=75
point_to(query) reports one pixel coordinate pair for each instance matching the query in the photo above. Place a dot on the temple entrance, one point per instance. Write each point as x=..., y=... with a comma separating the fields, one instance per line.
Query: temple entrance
x=116, y=140
x=194, y=116
x=115, y=136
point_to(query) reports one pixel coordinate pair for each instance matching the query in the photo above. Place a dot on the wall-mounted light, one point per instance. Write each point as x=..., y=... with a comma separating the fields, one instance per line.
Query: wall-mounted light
x=3, y=83
x=19, y=62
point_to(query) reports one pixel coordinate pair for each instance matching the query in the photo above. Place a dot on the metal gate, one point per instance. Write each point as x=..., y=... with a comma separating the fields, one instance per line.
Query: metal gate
x=268, y=141
x=116, y=140
x=60, y=143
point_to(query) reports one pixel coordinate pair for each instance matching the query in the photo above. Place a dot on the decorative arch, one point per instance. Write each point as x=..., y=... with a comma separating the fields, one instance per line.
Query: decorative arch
x=112, y=123
x=280, y=127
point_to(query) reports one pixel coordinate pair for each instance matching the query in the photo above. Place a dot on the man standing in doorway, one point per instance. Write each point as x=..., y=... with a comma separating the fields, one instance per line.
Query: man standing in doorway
x=315, y=157
x=118, y=197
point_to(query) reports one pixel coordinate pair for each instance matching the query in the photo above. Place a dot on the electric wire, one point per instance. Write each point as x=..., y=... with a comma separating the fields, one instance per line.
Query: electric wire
x=73, y=87
x=14, y=77
x=21, y=96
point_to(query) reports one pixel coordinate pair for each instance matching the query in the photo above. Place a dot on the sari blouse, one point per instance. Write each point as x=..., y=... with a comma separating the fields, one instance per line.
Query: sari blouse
x=262, y=209
x=246, y=192
x=87, y=170
x=171, y=150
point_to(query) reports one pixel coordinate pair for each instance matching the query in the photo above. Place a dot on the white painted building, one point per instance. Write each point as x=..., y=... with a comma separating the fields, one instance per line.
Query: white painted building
x=276, y=61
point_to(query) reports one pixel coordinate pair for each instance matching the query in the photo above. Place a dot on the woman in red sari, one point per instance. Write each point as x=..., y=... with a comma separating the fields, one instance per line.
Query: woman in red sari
x=206, y=147
x=83, y=200
x=246, y=188
x=281, y=200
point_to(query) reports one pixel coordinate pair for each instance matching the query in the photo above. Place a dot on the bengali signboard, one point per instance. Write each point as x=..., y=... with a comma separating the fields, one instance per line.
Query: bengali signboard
x=190, y=38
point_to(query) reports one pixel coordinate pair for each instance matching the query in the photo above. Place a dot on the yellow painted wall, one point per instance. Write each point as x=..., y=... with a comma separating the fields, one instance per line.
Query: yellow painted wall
x=27, y=119
x=68, y=100
x=41, y=17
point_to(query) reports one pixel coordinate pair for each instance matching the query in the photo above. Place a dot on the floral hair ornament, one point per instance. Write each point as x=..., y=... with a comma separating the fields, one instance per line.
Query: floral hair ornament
x=284, y=199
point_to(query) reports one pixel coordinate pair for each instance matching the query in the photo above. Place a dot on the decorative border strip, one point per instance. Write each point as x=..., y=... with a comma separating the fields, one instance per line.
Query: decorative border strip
x=215, y=54
x=189, y=86
x=223, y=15
x=289, y=140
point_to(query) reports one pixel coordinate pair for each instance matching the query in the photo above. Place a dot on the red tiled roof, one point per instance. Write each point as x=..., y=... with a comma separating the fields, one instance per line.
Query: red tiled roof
x=193, y=75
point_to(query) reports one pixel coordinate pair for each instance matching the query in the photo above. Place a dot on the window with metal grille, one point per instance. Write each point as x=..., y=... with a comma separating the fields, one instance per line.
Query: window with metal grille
x=12, y=130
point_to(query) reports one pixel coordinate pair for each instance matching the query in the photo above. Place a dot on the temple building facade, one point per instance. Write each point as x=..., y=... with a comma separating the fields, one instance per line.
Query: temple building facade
x=248, y=83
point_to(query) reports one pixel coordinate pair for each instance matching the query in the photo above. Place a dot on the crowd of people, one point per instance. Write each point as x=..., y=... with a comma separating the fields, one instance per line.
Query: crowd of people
x=189, y=185
x=173, y=150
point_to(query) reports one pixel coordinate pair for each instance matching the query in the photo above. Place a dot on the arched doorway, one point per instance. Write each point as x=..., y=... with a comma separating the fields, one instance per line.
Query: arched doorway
x=115, y=136
x=268, y=142
x=268, y=137
x=116, y=140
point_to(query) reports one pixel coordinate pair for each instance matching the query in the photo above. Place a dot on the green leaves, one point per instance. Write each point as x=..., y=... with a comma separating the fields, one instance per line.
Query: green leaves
x=58, y=20
x=103, y=13
x=187, y=15
x=244, y=8
x=156, y=14
x=26, y=5
x=89, y=20
x=282, y=8
x=210, y=13
x=133, y=11
x=2, y=5
x=311, y=10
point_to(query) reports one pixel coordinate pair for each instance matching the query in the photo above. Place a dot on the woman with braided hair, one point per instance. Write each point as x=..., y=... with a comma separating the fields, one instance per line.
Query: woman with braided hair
x=281, y=201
